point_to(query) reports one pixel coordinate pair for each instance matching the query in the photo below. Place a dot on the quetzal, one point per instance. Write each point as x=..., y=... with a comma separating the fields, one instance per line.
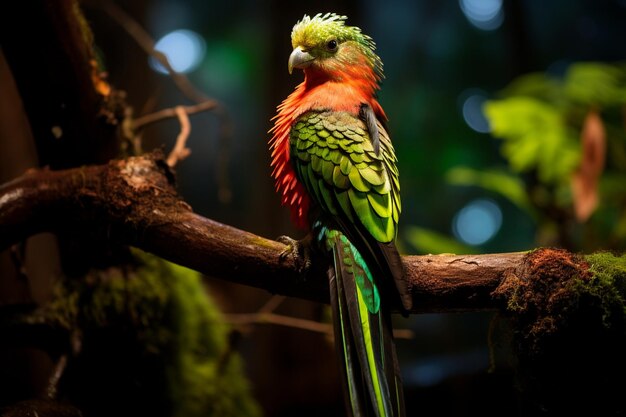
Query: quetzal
x=335, y=167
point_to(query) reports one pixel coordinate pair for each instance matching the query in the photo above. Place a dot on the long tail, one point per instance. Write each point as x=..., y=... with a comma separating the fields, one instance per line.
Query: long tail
x=372, y=383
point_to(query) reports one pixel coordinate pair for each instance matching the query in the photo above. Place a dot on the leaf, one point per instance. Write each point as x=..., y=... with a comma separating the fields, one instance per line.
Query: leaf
x=535, y=85
x=585, y=179
x=504, y=183
x=535, y=137
x=431, y=242
x=596, y=84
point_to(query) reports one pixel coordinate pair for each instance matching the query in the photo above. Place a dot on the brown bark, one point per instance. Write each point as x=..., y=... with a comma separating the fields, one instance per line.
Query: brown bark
x=134, y=202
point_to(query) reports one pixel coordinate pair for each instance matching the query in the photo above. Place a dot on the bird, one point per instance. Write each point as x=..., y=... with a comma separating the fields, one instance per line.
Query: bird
x=335, y=167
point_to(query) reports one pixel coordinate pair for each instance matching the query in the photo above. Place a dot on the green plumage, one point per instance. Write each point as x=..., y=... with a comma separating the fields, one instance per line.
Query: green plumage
x=336, y=161
x=346, y=163
x=355, y=265
x=363, y=332
x=357, y=189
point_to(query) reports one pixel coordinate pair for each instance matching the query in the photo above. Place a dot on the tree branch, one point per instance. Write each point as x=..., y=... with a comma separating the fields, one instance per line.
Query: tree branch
x=134, y=202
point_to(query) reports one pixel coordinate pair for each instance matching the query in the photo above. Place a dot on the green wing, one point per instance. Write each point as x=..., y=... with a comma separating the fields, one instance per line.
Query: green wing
x=336, y=161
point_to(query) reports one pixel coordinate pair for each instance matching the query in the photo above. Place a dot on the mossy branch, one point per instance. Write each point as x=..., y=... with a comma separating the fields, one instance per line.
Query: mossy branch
x=134, y=202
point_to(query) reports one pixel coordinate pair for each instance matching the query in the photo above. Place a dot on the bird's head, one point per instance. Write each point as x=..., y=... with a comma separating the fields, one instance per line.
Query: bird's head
x=325, y=45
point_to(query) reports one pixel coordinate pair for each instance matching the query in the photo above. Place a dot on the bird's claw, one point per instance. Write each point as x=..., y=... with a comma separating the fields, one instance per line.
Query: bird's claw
x=298, y=250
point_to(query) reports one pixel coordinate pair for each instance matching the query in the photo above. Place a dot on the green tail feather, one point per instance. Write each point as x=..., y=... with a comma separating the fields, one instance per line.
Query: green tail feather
x=363, y=334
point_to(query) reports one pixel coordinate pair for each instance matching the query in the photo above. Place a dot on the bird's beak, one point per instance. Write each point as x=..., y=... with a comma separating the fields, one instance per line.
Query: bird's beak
x=299, y=58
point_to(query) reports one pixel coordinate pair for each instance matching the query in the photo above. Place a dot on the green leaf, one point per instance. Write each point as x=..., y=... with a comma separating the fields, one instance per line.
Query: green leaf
x=535, y=137
x=595, y=83
x=430, y=242
x=536, y=85
x=504, y=183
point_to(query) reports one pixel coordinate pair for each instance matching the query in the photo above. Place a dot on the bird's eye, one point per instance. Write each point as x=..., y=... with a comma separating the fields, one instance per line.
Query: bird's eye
x=331, y=45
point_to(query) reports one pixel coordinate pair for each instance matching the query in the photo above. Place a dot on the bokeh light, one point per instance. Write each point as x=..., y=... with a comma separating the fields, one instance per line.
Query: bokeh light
x=471, y=103
x=483, y=14
x=184, y=49
x=477, y=222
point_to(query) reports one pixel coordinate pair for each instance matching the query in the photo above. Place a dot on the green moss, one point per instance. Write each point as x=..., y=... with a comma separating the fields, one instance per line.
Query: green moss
x=206, y=375
x=153, y=343
x=607, y=285
x=261, y=241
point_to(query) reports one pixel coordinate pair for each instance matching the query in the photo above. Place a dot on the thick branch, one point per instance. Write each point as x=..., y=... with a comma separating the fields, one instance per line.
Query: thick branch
x=133, y=202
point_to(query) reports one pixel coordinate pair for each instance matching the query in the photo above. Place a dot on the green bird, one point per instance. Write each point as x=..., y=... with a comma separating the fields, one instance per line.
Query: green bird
x=335, y=167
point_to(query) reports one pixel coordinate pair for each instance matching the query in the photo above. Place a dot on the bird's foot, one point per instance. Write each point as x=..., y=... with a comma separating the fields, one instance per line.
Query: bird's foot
x=298, y=250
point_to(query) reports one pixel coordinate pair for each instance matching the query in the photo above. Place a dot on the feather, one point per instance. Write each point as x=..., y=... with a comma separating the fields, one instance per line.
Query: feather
x=367, y=114
x=363, y=334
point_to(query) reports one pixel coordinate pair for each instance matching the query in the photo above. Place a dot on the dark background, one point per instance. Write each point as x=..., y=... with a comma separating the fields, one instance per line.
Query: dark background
x=436, y=56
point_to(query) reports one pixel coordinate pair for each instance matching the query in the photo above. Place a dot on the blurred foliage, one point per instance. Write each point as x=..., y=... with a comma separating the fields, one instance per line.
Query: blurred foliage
x=151, y=342
x=539, y=119
x=431, y=242
x=536, y=137
x=504, y=183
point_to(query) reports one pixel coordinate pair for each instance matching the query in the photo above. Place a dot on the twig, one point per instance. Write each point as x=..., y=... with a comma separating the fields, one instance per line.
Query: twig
x=146, y=42
x=271, y=318
x=53, y=382
x=272, y=304
x=168, y=113
x=180, y=151
x=132, y=135
x=265, y=315
x=297, y=323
